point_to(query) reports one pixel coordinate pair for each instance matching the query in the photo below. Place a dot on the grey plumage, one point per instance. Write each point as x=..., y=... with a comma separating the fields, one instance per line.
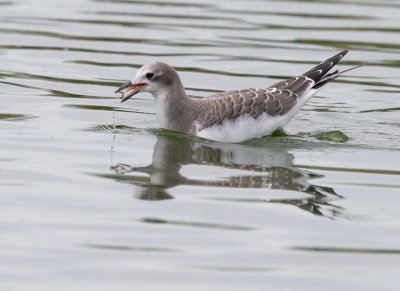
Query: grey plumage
x=277, y=99
x=177, y=111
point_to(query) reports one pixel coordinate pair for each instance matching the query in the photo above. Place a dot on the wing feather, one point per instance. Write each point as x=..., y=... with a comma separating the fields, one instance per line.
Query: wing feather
x=277, y=99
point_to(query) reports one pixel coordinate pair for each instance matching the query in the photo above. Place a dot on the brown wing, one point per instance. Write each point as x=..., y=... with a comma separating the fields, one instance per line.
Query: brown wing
x=275, y=100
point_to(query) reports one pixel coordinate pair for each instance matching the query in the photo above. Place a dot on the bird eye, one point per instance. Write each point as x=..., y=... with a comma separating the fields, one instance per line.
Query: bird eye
x=149, y=75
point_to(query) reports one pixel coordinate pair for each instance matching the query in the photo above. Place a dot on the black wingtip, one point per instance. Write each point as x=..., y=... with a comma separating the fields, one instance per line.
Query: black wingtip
x=331, y=76
x=319, y=71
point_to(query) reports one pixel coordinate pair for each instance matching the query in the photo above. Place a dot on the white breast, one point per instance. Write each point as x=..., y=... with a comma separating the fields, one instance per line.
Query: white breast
x=161, y=113
x=243, y=128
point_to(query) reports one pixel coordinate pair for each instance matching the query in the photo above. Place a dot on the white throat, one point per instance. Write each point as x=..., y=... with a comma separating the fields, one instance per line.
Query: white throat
x=161, y=108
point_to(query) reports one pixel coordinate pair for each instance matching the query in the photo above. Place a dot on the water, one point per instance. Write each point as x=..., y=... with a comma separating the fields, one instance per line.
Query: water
x=86, y=206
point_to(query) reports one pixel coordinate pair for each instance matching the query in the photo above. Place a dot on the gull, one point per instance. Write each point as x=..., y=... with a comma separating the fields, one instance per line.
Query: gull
x=232, y=116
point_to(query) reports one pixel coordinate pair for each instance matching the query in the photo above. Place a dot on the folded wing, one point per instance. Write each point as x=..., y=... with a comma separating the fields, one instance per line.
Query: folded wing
x=275, y=100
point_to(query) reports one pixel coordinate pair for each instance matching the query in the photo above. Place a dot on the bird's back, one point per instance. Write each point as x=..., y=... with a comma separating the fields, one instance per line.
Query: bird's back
x=238, y=115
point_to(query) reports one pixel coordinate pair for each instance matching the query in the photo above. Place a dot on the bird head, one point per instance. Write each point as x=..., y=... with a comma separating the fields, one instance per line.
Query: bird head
x=156, y=78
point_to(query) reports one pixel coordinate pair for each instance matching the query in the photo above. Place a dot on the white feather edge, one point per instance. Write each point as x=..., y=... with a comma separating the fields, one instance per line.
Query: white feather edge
x=246, y=127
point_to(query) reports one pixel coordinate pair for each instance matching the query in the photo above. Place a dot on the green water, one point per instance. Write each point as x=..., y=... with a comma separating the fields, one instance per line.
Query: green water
x=86, y=206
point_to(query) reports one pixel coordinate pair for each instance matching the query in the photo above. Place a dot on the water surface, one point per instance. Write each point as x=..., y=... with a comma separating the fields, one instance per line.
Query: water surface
x=87, y=207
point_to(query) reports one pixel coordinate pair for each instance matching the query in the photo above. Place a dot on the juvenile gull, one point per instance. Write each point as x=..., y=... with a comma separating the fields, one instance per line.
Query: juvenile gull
x=231, y=116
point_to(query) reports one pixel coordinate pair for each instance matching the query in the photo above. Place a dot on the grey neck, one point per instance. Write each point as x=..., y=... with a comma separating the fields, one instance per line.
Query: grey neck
x=175, y=110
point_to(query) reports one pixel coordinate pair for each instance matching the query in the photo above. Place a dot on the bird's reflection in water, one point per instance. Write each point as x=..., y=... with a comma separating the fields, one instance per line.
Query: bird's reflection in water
x=272, y=168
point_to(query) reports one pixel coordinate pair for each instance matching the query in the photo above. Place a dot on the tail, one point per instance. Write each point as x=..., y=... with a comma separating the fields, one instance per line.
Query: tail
x=319, y=74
